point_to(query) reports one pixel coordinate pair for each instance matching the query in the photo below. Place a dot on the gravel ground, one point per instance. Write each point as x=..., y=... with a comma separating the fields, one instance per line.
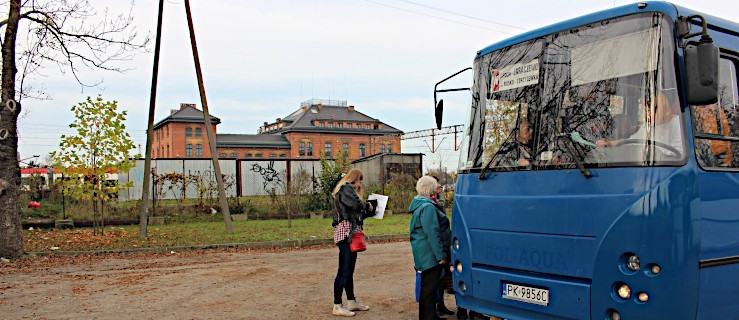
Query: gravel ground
x=211, y=284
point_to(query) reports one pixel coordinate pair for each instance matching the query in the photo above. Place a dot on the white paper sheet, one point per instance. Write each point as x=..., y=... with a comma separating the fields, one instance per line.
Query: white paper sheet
x=381, y=204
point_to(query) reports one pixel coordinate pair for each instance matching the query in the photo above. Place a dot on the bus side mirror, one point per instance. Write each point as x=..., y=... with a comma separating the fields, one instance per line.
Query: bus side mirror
x=701, y=72
x=439, y=112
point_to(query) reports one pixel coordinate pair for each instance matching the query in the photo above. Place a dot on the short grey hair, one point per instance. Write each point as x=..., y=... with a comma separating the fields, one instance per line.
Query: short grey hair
x=426, y=186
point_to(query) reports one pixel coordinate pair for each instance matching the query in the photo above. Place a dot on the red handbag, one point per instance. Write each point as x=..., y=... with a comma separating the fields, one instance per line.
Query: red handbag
x=358, y=243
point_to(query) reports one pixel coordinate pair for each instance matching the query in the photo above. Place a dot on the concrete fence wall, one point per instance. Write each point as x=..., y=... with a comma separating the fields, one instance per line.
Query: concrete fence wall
x=242, y=177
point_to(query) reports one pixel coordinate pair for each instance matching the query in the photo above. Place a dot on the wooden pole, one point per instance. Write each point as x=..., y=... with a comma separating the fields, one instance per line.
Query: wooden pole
x=144, y=217
x=208, y=127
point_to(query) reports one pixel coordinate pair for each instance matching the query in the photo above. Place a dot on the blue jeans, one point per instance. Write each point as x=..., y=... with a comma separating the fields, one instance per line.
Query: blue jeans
x=345, y=275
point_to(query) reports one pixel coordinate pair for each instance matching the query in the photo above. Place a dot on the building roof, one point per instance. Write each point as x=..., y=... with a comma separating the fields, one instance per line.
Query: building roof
x=303, y=120
x=251, y=141
x=378, y=155
x=187, y=113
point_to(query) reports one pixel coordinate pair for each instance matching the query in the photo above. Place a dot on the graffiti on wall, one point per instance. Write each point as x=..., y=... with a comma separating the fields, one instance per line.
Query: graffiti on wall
x=269, y=174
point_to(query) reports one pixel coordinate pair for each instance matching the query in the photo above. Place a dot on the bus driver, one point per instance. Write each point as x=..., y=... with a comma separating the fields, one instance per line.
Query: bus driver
x=663, y=126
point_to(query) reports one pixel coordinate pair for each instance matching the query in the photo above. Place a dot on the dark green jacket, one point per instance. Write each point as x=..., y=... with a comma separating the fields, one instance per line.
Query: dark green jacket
x=428, y=238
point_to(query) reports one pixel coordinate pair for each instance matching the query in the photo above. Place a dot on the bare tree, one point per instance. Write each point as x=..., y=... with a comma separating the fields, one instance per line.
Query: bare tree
x=68, y=34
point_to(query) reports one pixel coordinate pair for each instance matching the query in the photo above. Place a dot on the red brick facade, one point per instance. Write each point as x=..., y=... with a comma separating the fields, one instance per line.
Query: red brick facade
x=309, y=133
x=370, y=143
x=171, y=140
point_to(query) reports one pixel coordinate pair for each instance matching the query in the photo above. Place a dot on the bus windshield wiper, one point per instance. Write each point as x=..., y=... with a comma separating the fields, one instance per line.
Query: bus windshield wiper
x=487, y=166
x=572, y=138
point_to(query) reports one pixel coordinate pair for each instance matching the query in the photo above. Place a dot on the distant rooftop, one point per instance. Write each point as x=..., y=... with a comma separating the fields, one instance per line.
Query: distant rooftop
x=324, y=102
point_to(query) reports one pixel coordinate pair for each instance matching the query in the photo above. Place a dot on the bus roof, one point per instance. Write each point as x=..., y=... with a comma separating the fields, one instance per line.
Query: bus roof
x=667, y=8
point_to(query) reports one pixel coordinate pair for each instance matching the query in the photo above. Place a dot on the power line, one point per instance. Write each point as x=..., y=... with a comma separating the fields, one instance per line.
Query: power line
x=462, y=15
x=435, y=17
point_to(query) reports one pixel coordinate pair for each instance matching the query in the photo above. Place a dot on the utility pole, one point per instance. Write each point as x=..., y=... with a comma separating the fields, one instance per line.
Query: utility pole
x=208, y=126
x=144, y=217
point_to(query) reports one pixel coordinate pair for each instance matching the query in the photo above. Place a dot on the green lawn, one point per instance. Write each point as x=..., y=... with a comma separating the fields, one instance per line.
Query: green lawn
x=199, y=233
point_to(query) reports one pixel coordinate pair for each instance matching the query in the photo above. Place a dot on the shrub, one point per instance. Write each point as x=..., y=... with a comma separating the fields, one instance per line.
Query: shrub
x=401, y=189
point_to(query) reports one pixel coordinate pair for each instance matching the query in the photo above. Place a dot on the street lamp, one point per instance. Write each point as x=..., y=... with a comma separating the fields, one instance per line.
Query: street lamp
x=28, y=164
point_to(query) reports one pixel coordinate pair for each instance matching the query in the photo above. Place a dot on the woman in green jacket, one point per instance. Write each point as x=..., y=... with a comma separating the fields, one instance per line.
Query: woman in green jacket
x=430, y=243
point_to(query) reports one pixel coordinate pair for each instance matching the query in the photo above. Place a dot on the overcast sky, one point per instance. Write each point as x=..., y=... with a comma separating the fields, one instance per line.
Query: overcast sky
x=261, y=58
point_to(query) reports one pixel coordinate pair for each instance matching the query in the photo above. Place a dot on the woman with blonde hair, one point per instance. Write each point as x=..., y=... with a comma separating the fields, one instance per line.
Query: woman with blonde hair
x=349, y=214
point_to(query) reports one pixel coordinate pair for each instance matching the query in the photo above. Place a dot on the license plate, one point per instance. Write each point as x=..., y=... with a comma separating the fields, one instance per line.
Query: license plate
x=526, y=294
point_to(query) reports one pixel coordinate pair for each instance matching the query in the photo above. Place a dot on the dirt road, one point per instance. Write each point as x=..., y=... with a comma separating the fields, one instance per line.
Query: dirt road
x=219, y=284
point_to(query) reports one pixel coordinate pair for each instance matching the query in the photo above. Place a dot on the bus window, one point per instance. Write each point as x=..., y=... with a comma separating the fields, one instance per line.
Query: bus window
x=601, y=95
x=716, y=122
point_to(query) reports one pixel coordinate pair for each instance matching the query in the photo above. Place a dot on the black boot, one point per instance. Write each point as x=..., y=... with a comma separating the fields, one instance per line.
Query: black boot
x=441, y=308
x=462, y=314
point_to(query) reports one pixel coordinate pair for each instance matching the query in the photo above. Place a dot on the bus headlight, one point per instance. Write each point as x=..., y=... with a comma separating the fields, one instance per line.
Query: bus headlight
x=459, y=266
x=624, y=291
x=643, y=297
x=633, y=263
x=455, y=244
x=656, y=269
x=614, y=315
x=462, y=286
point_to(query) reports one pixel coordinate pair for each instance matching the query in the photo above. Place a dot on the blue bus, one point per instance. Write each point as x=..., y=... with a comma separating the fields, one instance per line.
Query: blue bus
x=599, y=170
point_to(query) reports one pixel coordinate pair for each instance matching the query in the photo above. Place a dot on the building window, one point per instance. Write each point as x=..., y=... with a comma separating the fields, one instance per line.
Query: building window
x=258, y=155
x=345, y=147
x=382, y=148
x=272, y=155
x=389, y=148
x=368, y=127
x=233, y=155
x=188, y=150
x=282, y=155
x=330, y=125
x=198, y=132
x=301, y=148
x=222, y=155
x=327, y=147
x=361, y=150
x=321, y=124
x=348, y=125
x=248, y=155
x=377, y=127
x=199, y=150
x=188, y=132
x=310, y=148
x=340, y=125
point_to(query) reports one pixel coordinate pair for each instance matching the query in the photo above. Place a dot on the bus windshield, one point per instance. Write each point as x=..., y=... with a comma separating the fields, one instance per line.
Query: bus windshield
x=600, y=95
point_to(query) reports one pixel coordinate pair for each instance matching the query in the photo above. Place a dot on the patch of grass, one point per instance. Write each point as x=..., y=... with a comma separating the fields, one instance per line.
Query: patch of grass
x=199, y=233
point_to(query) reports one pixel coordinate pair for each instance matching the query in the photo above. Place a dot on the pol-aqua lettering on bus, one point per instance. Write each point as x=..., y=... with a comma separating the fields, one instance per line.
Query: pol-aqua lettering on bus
x=527, y=258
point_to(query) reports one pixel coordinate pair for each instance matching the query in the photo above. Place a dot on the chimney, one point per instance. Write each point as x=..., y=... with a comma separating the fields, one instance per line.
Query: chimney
x=351, y=108
x=265, y=124
x=303, y=108
x=320, y=106
x=173, y=111
x=279, y=119
x=183, y=105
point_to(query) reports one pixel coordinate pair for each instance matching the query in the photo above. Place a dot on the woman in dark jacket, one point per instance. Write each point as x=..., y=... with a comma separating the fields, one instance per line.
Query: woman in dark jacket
x=350, y=212
x=430, y=242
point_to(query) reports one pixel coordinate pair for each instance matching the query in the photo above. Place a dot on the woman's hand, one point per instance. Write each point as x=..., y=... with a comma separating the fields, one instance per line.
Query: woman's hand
x=443, y=261
x=371, y=208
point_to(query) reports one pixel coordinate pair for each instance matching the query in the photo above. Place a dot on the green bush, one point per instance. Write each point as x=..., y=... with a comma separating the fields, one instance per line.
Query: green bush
x=401, y=188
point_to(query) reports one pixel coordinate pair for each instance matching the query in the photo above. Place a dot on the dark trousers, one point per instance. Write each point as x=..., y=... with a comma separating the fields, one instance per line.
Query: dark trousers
x=430, y=282
x=345, y=275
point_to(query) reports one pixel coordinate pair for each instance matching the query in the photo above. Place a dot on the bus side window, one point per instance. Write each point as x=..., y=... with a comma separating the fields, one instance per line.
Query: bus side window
x=719, y=120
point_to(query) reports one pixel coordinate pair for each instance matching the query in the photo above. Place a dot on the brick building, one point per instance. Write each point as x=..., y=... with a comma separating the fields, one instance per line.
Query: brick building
x=318, y=128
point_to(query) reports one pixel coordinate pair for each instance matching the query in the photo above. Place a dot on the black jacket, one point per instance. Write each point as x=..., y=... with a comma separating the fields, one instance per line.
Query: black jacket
x=348, y=206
